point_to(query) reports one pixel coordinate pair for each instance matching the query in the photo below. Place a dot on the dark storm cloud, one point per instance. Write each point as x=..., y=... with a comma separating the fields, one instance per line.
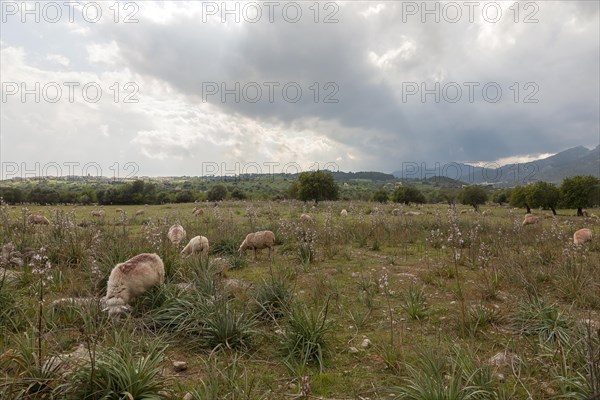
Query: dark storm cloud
x=370, y=55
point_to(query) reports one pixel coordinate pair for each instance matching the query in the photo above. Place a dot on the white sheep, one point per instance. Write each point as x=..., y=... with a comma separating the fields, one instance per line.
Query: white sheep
x=530, y=219
x=413, y=213
x=582, y=236
x=35, y=219
x=98, y=213
x=306, y=218
x=130, y=279
x=139, y=212
x=257, y=241
x=176, y=234
x=119, y=210
x=68, y=362
x=396, y=212
x=197, y=244
x=344, y=213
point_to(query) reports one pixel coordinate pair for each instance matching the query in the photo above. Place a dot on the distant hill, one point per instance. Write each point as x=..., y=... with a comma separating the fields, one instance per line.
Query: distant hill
x=575, y=161
x=370, y=175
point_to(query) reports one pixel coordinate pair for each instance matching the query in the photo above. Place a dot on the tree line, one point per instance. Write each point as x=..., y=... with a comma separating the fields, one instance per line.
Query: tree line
x=575, y=192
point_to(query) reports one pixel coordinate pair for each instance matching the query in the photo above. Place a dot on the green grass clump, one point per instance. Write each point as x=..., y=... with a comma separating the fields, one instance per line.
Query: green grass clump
x=415, y=303
x=304, y=338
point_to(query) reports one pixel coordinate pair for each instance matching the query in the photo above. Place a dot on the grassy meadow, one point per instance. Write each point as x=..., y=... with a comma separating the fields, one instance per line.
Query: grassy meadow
x=377, y=305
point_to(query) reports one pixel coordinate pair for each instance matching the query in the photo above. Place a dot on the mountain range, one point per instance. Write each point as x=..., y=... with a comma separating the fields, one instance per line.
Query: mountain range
x=574, y=161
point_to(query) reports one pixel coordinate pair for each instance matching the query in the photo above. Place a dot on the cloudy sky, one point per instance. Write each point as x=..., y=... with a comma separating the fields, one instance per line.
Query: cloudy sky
x=184, y=88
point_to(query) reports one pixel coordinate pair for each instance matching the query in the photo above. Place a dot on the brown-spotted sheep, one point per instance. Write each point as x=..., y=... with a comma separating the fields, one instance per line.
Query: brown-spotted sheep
x=176, y=234
x=130, y=279
x=196, y=245
x=35, y=219
x=530, y=219
x=582, y=236
x=257, y=241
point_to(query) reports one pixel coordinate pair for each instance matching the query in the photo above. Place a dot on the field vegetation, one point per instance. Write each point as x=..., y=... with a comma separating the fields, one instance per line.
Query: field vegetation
x=440, y=303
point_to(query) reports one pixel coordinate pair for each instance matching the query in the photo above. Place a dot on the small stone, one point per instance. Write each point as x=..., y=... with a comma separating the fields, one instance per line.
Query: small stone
x=547, y=389
x=353, y=350
x=179, y=366
x=365, y=343
x=292, y=386
x=501, y=378
x=188, y=396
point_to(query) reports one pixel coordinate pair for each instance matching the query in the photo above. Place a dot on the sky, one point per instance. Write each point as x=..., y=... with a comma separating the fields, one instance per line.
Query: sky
x=199, y=88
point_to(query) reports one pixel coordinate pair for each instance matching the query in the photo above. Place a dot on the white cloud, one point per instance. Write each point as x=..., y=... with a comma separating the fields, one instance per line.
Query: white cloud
x=372, y=10
x=57, y=58
x=104, y=53
x=406, y=51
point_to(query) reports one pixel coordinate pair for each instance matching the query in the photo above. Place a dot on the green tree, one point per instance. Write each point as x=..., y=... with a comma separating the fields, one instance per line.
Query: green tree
x=292, y=190
x=579, y=192
x=501, y=196
x=543, y=194
x=449, y=195
x=238, y=194
x=317, y=186
x=185, y=196
x=473, y=195
x=518, y=198
x=407, y=194
x=12, y=195
x=381, y=196
x=217, y=193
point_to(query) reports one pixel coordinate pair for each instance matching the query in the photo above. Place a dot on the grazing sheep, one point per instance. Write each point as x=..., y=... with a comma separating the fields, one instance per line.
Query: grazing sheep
x=176, y=234
x=396, y=211
x=139, y=212
x=344, y=213
x=582, y=236
x=35, y=219
x=530, y=219
x=197, y=244
x=98, y=213
x=593, y=216
x=198, y=212
x=119, y=210
x=132, y=278
x=7, y=275
x=68, y=362
x=257, y=241
x=306, y=218
x=464, y=211
x=414, y=213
